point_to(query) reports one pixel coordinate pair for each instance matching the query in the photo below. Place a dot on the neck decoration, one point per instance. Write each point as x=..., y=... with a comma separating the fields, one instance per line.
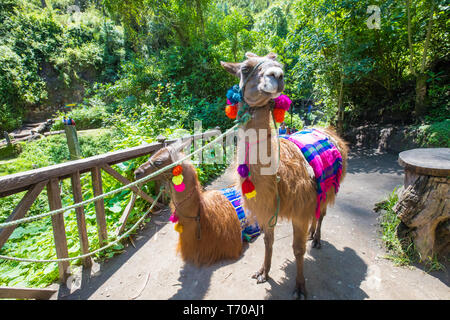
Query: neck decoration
x=178, y=178
x=232, y=110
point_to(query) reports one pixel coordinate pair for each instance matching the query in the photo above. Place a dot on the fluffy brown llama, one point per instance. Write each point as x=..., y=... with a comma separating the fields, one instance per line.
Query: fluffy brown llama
x=296, y=188
x=220, y=231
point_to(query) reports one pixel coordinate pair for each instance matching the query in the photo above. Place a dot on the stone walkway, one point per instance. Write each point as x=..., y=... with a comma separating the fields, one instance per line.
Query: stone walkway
x=350, y=264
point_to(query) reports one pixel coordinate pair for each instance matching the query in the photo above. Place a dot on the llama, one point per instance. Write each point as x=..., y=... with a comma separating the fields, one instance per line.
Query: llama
x=261, y=80
x=211, y=229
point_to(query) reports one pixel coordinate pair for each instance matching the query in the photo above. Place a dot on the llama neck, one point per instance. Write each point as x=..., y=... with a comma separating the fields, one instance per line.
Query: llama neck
x=262, y=146
x=187, y=203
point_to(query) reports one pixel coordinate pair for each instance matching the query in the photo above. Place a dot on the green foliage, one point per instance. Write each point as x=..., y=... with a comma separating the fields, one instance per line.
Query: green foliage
x=10, y=151
x=435, y=135
x=89, y=116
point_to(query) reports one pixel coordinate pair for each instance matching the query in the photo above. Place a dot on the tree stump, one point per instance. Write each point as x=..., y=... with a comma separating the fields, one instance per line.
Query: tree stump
x=424, y=205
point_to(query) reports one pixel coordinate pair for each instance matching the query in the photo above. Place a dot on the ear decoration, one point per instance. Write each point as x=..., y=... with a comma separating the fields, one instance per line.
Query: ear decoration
x=282, y=104
x=178, y=178
x=234, y=96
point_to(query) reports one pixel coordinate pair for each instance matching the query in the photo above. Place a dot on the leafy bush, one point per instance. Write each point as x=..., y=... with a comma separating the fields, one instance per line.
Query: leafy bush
x=435, y=135
x=86, y=117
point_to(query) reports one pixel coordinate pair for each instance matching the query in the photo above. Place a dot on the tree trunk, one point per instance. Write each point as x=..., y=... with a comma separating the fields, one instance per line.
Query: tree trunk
x=421, y=81
x=411, y=52
x=340, y=122
x=424, y=209
x=43, y=4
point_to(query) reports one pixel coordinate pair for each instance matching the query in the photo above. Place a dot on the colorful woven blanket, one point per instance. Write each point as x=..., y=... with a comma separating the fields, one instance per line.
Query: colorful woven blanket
x=249, y=231
x=324, y=158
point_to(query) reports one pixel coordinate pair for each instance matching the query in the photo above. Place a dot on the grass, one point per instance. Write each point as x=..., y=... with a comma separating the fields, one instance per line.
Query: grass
x=401, y=251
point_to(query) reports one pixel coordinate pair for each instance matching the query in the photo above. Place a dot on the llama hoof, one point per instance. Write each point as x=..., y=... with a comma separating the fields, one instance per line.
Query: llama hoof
x=260, y=278
x=299, y=294
x=316, y=244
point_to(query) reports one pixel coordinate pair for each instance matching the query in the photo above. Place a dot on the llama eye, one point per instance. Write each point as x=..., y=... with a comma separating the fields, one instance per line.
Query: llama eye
x=245, y=69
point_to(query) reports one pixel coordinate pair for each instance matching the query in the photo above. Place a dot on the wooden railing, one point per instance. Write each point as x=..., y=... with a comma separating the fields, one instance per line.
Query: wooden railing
x=34, y=182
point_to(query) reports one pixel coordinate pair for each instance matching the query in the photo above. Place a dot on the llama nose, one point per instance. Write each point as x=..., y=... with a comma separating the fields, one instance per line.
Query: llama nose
x=275, y=72
x=138, y=173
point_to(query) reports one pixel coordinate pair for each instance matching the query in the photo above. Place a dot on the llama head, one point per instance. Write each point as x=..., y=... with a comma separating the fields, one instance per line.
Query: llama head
x=261, y=78
x=162, y=158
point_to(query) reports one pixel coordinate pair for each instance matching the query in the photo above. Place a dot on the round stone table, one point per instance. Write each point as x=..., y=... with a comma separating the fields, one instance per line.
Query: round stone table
x=424, y=202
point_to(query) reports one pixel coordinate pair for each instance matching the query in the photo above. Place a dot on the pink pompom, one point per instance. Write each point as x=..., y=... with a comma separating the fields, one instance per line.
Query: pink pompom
x=180, y=187
x=173, y=218
x=282, y=102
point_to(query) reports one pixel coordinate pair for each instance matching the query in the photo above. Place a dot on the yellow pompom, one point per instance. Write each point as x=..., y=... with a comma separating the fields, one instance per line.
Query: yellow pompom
x=250, y=194
x=177, y=179
x=178, y=227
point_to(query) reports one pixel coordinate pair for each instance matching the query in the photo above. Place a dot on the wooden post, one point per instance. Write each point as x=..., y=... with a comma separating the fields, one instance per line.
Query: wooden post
x=59, y=231
x=99, y=206
x=164, y=197
x=113, y=173
x=7, y=138
x=21, y=210
x=81, y=222
x=126, y=213
x=72, y=142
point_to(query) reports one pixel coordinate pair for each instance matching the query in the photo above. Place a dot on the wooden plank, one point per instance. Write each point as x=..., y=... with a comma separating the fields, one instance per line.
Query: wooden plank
x=26, y=293
x=126, y=213
x=99, y=206
x=17, y=182
x=81, y=222
x=59, y=230
x=21, y=181
x=125, y=181
x=21, y=210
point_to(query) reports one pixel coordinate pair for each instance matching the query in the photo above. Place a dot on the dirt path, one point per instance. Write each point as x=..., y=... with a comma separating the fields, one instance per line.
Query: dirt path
x=350, y=264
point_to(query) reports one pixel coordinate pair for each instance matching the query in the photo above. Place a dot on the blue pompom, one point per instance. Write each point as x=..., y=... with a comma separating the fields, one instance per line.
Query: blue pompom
x=234, y=94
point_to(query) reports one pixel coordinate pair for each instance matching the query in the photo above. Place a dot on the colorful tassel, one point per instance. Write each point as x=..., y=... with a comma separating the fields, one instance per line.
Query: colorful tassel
x=231, y=111
x=278, y=115
x=243, y=170
x=282, y=102
x=177, y=170
x=180, y=187
x=178, y=227
x=173, y=218
x=248, y=189
x=234, y=94
x=176, y=180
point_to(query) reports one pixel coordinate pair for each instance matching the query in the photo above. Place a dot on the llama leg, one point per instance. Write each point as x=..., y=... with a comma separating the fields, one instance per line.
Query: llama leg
x=312, y=229
x=299, y=246
x=316, y=238
x=263, y=274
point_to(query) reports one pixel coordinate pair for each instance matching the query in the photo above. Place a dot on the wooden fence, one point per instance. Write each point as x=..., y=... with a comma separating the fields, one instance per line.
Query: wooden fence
x=34, y=182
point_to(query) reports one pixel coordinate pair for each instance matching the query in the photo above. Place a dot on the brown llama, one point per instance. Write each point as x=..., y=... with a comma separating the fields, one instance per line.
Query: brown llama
x=261, y=80
x=216, y=235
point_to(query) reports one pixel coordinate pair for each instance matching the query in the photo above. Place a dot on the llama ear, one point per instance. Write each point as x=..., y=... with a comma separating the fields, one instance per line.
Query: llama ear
x=272, y=56
x=179, y=145
x=231, y=67
x=250, y=55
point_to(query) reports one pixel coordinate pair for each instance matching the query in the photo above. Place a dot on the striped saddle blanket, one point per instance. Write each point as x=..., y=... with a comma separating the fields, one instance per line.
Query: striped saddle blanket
x=324, y=158
x=249, y=231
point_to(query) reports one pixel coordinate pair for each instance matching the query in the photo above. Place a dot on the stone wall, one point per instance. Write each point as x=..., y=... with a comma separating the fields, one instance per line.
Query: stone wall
x=387, y=138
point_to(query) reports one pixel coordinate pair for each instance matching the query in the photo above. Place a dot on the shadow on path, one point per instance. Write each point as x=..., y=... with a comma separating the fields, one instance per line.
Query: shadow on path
x=331, y=274
x=195, y=281
x=370, y=161
x=90, y=283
